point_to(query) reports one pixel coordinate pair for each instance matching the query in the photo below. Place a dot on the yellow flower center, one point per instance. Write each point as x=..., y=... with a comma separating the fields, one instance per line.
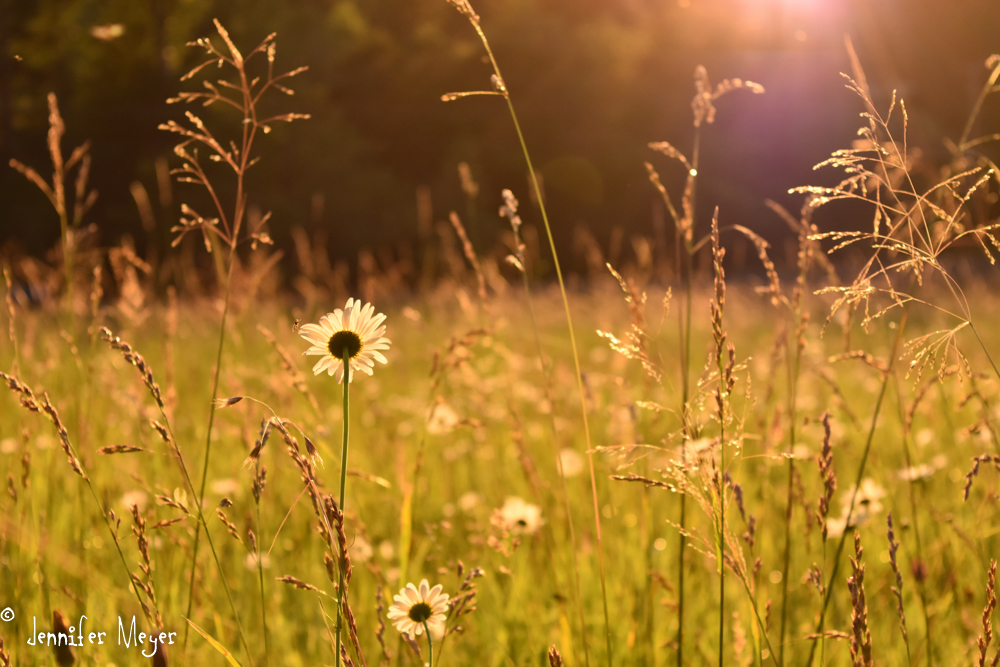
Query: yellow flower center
x=420, y=612
x=345, y=340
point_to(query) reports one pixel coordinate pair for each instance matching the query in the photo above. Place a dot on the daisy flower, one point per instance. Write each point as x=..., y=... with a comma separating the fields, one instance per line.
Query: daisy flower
x=520, y=517
x=355, y=329
x=415, y=606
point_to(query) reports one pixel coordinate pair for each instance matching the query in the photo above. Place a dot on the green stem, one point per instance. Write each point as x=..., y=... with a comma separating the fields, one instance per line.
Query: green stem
x=562, y=478
x=985, y=349
x=260, y=575
x=474, y=20
x=793, y=386
x=343, y=488
x=430, y=646
x=579, y=373
x=684, y=327
x=208, y=437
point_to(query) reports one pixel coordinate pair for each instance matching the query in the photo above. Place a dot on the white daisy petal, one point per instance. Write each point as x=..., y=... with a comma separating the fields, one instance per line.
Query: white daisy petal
x=321, y=365
x=314, y=333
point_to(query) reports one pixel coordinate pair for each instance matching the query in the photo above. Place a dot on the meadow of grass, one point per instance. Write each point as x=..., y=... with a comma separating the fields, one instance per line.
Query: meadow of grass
x=462, y=441
x=696, y=470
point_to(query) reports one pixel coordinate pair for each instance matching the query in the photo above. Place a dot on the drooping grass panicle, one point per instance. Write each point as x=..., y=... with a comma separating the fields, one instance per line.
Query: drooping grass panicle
x=912, y=227
x=137, y=360
x=976, y=462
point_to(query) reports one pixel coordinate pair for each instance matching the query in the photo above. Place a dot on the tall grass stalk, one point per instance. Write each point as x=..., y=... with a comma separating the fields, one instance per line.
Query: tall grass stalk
x=500, y=88
x=703, y=112
x=208, y=439
x=722, y=399
x=258, y=491
x=510, y=210
x=794, y=365
x=860, y=475
x=684, y=253
x=56, y=192
x=223, y=231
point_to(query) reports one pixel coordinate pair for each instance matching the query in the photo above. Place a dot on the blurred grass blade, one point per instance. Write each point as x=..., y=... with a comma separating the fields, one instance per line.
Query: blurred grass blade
x=215, y=644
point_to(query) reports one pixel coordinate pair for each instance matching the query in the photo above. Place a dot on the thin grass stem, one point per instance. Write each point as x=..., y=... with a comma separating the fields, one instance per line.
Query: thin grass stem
x=208, y=437
x=502, y=89
x=260, y=575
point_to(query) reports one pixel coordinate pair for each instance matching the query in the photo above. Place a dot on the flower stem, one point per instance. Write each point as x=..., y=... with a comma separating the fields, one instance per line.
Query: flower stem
x=430, y=646
x=343, y=489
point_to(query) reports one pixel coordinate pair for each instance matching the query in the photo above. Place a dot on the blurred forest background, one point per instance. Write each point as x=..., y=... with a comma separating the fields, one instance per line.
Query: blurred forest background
x=593, y=81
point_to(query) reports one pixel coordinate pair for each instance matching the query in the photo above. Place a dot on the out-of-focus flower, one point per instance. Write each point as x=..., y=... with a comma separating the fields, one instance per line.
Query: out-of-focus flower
x=924, y=470
x=251, y=561
x=136, y=497
x=361, y=551
x=226, y=487
x=442, y=419
x=108, y=32
x=572, y=462
x=520, y=517
x=867, y=503
x=469, y=500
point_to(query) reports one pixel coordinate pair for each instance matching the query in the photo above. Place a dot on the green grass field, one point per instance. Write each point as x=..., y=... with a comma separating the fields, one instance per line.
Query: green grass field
x=454, y=424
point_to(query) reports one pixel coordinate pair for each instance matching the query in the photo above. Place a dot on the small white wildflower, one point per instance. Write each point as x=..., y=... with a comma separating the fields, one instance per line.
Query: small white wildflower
x=520, y=517
x=361, y=551
x=469, y=500
x=442, y=419
x=226, y=487
x=251, y=561
x=572, y=462
x=136, y=497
